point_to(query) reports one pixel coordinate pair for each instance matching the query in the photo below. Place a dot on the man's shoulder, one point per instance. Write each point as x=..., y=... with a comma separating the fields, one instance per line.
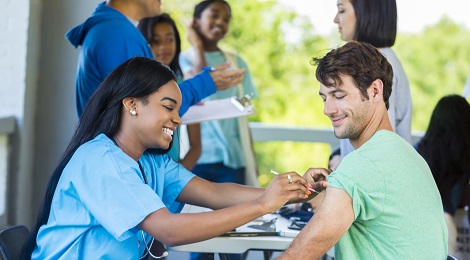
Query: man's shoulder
x=357, y=159
x=384, y=148
x=375, y=146
x=385, y=134
x=383, y=138
x=117, y=38
x=114, y=27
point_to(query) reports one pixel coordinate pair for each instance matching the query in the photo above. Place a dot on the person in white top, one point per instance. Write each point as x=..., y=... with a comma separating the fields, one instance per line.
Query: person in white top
x=375, y=22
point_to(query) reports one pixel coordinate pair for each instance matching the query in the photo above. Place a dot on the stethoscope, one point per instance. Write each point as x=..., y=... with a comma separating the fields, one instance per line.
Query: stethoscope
x=147, y=248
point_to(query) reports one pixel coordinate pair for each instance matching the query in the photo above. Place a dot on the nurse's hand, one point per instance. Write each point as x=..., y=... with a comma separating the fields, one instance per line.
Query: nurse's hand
x=316, y=177
x=284, y=188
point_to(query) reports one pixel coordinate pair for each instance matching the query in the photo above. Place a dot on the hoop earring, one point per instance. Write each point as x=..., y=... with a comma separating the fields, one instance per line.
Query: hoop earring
x=133, y=112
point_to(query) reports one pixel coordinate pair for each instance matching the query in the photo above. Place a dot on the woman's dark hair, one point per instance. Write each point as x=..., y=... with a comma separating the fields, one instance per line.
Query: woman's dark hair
x=138, y=77
x=446, y=144
x=203, y=5
x=335, y=152
x=376, y=22
x=146, y=26
x=360, y=60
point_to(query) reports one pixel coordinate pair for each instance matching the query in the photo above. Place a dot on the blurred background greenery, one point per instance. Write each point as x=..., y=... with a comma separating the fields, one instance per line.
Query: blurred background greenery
x=437, y=62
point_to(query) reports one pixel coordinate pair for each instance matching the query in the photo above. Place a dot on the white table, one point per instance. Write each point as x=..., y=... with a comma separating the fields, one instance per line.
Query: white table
x=239, y=245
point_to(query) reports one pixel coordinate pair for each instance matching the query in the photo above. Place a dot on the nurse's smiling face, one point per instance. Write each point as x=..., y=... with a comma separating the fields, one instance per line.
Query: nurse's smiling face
x=157, y=116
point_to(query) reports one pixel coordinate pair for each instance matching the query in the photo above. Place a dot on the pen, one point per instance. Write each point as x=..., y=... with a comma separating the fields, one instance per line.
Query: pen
x=287, y=234
x=249, y=234
x=208, y=69
x=310, y=189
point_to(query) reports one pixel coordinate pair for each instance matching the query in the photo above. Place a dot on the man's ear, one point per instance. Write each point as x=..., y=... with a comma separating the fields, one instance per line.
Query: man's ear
x=376, y=90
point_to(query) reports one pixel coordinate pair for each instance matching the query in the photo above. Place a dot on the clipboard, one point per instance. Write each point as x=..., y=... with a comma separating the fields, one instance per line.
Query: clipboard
x=255, y=228
x=217, y=109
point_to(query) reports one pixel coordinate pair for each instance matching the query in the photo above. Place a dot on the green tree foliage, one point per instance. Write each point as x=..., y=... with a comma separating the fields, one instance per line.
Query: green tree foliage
x=437, y=63
x=278, y=46
x=284, y=78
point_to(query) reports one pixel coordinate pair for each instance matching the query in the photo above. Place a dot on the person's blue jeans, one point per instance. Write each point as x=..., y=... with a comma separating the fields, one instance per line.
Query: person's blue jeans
x=218, y=172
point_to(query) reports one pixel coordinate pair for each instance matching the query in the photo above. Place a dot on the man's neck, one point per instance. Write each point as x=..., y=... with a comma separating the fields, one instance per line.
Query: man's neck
x=379, y=121
x=126, y=8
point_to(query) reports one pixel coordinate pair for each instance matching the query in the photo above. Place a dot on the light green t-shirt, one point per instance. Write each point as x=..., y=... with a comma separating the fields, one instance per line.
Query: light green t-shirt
x=397, y=207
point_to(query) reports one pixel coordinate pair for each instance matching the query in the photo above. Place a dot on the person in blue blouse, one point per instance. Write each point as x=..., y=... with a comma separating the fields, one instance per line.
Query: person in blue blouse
x=114, y=192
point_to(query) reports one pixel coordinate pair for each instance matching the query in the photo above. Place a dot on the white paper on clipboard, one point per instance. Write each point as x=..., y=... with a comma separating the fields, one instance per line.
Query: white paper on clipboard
x=215, y=110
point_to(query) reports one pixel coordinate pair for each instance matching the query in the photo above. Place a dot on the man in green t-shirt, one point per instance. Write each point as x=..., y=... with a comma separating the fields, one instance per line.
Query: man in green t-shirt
x=381, y=202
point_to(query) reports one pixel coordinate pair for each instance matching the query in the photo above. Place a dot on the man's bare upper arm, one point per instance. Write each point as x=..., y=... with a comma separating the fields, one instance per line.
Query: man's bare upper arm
x=332, y=219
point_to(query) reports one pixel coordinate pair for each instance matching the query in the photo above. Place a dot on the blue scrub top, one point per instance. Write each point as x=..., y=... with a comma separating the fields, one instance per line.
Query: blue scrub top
x=100, y=199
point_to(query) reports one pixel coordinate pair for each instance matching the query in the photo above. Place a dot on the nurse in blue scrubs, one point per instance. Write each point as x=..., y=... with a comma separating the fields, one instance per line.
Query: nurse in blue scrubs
x=115, y=190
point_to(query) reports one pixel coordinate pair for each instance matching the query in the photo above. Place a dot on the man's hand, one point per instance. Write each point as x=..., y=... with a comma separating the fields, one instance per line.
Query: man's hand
x=224, y=79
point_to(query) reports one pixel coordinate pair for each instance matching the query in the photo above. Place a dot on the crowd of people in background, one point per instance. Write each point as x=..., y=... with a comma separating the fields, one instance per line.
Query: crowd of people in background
x=123, y=179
